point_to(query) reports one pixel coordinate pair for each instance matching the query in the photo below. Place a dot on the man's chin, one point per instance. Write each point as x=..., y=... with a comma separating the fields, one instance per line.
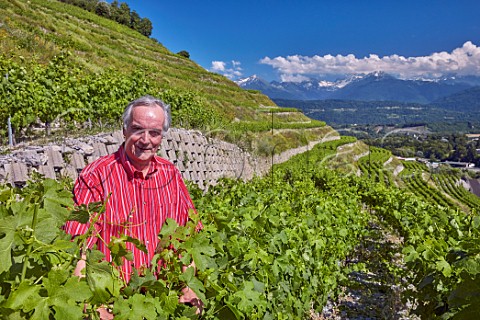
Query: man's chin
x=145, y=155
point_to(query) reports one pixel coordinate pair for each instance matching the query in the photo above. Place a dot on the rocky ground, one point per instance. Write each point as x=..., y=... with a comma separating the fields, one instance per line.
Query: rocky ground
x=374, y=292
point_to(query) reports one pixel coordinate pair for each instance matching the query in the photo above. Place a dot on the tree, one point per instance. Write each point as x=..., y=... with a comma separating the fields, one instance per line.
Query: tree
x=114, y=11
x=103, y=9
x=184, y=53
x=471, y=155
x=145, y=27
x=134, y=20
x=123, y=16
x=88, y=5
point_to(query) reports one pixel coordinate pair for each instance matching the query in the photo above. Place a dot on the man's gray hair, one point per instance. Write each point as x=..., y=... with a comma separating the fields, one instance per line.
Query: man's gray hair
x=147, y=101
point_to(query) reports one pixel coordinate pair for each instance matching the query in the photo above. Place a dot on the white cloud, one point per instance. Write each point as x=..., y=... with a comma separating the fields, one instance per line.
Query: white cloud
x=461, y=61
x=230, y=70
x=218, y=66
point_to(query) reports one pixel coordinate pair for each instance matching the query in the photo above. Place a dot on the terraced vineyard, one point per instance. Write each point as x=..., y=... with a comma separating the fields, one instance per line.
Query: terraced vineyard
x=287, y=239
x=450, y=184
x=413, y=178
x=372, y=165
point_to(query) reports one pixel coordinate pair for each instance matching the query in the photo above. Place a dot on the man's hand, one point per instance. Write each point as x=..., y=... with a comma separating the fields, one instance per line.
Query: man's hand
x=104, y=314
x=80, y=266
x=189, y=297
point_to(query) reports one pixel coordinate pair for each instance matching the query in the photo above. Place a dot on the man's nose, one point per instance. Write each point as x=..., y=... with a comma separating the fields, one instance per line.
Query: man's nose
x=145, y=136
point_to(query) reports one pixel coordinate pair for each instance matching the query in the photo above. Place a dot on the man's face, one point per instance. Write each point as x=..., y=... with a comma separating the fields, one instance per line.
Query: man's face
x=143, y=135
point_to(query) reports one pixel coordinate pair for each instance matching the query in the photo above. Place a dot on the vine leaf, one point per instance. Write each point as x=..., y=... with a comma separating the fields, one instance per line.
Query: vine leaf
x=8, y=231
x=102, y=278
x=193, y=283
x=24, y=298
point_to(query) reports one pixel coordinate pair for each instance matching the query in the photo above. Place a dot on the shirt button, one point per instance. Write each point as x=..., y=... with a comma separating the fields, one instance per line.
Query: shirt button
x=144, y=202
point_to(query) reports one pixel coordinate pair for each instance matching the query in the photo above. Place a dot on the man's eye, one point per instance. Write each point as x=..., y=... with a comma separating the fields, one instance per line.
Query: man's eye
x=155, y=133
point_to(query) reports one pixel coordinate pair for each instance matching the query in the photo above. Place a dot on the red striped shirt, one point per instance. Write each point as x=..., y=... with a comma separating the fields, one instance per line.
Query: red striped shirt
x=137, y=207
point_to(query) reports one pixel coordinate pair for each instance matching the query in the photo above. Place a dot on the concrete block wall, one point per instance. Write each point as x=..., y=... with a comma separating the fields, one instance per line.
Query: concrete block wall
x=200, y=159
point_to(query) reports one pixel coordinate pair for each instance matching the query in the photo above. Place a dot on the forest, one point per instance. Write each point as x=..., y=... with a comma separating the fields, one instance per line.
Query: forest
x=119, y=12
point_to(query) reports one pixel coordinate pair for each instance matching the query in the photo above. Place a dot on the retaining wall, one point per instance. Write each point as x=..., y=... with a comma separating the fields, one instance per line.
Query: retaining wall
x=200, y=159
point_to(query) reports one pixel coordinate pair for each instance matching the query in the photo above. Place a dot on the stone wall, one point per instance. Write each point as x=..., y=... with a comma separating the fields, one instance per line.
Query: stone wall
x=200, y=159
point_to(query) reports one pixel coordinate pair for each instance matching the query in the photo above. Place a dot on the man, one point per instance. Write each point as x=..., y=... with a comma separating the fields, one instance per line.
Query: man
x=142, y=189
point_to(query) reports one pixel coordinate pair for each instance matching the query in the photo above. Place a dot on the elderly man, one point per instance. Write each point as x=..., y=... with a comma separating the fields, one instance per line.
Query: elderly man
x=142, y=189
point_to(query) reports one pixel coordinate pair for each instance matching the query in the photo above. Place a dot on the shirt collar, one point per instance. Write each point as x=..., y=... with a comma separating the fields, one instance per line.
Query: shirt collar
x=130, y=169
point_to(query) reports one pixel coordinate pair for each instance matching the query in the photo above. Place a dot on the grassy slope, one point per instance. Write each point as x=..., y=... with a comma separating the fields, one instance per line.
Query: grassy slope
x=40, y=29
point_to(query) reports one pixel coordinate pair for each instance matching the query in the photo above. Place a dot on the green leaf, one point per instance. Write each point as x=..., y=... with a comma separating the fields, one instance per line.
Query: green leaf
x=118, y=250
x=202, y=252
x=237, y=313
x=249, y=298
x=258, y=286
x=7, y=234
x=83, y=212
x=444, y=267
x=11, y=227
x=410, y=254
x=47, y=227
x=24, y=297
x=121, y=308
x=64, y=310
x=193, y=283
x=42, y=310
x=76, y=290
x=102, y=278
x=170, y=302
x=167, y=234
x=56, y=201
x=135, y=307
x=55, y=279
x=80, y=214
x=169, y=228
x=471, y=311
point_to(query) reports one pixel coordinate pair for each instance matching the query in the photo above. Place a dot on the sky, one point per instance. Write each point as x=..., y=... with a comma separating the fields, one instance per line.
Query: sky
x=325, y=40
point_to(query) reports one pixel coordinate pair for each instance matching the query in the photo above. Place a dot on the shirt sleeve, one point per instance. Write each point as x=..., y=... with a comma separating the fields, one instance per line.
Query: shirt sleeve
x=87, y=189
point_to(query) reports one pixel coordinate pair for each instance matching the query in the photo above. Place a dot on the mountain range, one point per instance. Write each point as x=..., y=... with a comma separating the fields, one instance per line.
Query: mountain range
x=378, y=86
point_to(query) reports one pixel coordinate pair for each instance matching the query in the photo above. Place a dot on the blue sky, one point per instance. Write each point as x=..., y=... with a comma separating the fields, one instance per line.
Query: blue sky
x=294, y=40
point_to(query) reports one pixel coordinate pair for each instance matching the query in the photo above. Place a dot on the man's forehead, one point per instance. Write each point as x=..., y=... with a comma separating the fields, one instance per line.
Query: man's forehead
x=147, y=116
x=147, y=110
x=146, y=128
x=145, y=125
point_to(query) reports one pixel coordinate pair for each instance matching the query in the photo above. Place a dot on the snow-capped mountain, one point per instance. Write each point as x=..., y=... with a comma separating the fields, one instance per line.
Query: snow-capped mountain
x=252, y=80
x=377, y=86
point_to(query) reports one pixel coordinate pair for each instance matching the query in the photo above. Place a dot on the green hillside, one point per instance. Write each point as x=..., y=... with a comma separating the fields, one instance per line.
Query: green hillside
x=59, y=60
x=40, y=30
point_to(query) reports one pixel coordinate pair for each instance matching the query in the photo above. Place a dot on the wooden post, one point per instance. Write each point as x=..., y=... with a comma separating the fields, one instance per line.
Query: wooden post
x=10, y=132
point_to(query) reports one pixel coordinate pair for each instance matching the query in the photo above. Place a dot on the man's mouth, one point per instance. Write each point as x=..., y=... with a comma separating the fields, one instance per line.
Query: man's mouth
x=144, y=148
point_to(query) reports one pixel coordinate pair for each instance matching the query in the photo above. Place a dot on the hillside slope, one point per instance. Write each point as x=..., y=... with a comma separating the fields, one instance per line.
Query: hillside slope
x=41, y=29
x=467, y=101
x=35, y=33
